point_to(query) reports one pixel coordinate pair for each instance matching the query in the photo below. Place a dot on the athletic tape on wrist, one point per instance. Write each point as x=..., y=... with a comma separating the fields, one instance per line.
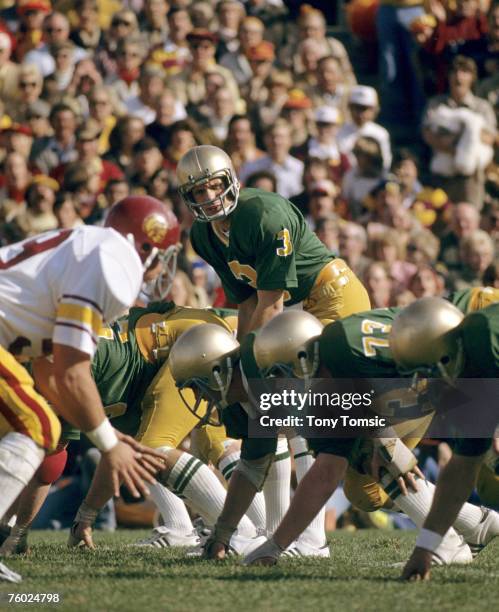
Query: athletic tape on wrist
x=103, y=437
x=429, y=540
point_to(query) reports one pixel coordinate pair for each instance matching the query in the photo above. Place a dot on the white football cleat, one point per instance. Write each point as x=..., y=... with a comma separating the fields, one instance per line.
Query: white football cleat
x=16, y=543
x=162, y=537
x=8, y=575
x=452, y=550
x=241, y=545
x=303, y=549
x=484, y=532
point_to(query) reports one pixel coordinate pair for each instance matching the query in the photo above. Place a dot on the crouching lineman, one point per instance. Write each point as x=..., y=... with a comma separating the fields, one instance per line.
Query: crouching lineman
x=132, y=375
x=421, y=341
x=355, y=337
x=56, y=290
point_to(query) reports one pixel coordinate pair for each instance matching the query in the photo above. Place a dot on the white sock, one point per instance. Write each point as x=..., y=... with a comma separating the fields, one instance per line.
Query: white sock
x=314, y=534
x=467, y=520
x=417, y=505
x=192, y=479
x=256, y=511
x=20, y=457
x=172, y=509
x=276, y=489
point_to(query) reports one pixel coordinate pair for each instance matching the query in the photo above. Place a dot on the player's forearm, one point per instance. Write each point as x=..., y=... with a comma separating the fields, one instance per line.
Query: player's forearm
x=240, y=494
x=244, y=314
x=269, y=305
x=101, y=489
x=454, y=486
x=316, y=487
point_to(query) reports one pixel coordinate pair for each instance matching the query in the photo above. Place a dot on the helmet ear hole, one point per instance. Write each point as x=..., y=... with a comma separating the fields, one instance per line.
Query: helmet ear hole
x=146, y=247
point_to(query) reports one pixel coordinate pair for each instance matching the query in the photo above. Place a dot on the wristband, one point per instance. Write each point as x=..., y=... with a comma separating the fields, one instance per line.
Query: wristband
x=103, y=437
x=429, y=540
x=223, y=532
x=86, y=514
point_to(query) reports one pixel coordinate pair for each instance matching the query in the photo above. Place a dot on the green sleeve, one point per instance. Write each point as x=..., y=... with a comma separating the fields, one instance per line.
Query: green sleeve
x=480, y=336
x=461, y=299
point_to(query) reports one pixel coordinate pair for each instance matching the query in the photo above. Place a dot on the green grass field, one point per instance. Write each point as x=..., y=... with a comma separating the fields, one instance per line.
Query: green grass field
x=359, y=576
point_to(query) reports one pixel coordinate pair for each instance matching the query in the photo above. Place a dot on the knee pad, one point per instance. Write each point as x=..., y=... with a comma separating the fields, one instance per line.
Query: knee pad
x=20, y=456
x=364, y=492
x=255, y=470
x=52, y=467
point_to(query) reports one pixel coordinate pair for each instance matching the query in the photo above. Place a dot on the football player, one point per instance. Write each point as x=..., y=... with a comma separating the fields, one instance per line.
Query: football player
x=424, y=339
x=141, y=400
x=261, y=247
x=357, y=344
x=56, y=290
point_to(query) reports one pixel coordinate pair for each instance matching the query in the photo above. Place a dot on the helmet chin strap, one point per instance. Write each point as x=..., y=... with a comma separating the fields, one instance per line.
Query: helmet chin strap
x=224, y=388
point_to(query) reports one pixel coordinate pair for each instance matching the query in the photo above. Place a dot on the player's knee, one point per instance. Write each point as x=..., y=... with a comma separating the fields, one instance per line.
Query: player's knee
x=171, y=456
x=365, y=493
x=52, y=467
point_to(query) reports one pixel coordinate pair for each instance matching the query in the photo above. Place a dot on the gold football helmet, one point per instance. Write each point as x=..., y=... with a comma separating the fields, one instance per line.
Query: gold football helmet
x=424, y=336
x=203, y=360
x=200, y=165
x=287, y=345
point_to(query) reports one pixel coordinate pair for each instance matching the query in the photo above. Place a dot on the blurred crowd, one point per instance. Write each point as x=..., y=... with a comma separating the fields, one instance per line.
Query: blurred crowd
x=395, y=167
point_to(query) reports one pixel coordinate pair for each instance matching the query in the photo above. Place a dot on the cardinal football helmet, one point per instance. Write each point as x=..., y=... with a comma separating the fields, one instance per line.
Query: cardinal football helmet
x=203, y=359
x=200, y=165
x=287, y=345
x=424, y=338
x=155, y=232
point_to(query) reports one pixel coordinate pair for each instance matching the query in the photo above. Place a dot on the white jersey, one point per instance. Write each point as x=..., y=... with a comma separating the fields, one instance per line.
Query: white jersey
x=60, y=286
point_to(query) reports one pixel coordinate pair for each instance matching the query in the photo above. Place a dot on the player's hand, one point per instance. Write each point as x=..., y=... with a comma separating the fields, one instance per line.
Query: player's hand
x=152, y=460
x=124, y=465
x=419, y=565
x=214, y=550
x=408, y=481
x=80, y=535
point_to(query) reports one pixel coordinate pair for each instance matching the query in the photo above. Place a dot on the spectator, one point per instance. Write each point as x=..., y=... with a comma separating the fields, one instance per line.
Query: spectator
x=124, y=26
x=19, y=139
x=87, y=32
x=16, y=180
x=296, y=111
x=154, y=21
x=60, y=148
x=221, y=109
x=37, y=114
x=322, y=201
x=484, y=50
x=271, y=100
x=405, y=168
x=353, y=247
x=189, y=85
x=65, y=211
x=64, y=65
x=241, y=142
x=174, y=54
x=151, y=86
x=379, y=285
x=168, y=110
x=423, y=247
x=183, y=136
x=262, y=180
x=331, y=88
x=129, y=58
x=364, y=107
x=127, y=131
x=309, y=52
x=426, y=282
x=312, y=25
x=29, y=89
x=314, y=170
x=159, y=186
x=287, y=169
x=389, y=247
x=29, y=31
x=460, y=128
x=231, y=14
x=465, y=220
x=83, y=183
x=9, y=71
x=236, y=59
x=147, y=160
x=116, y=190
x=101, y=110
x=183, y=292
x=260, y=59
x=477, y=254
x=327, y=229
x=55, y=31
x=491, y=275
x=365, y=176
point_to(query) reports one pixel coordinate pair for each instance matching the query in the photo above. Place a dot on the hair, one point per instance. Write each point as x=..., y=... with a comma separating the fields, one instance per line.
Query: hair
x=425, y=241
x=477, y=238
x=252, y=179
x=491, y=274
x=359, y=230
x=466, y=64
x=402, y=155
x=117, y=133
x=328, y=58
x=389, y=237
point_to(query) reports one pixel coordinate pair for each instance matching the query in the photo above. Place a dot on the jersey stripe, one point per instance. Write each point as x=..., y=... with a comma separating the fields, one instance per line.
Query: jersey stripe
x=80, y=298
x=80, y=327
x=80, y=314
x=12, y=418
x=31, y=403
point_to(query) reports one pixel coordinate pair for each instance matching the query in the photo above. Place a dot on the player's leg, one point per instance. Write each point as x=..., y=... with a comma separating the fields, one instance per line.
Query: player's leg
x=32, y=499
x=212, y=445
x=313, y=539
x=28, y=429
x=277, y=487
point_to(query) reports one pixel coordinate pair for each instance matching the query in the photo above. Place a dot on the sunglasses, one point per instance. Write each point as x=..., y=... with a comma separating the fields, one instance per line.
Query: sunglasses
x=129, y=54
x=99, y=102
x=52, y=30
x=26, y=84
x=121, y=22
x=202, y=45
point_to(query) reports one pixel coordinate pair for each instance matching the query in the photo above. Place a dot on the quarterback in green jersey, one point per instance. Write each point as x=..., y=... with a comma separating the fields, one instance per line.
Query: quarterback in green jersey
x=260, y=246
x=423, y=340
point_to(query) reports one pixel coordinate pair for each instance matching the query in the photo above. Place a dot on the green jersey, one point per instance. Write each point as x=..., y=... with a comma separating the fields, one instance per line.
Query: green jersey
x=269, y=247
x=358, y=347
x=480, y=335
x=121, y=372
